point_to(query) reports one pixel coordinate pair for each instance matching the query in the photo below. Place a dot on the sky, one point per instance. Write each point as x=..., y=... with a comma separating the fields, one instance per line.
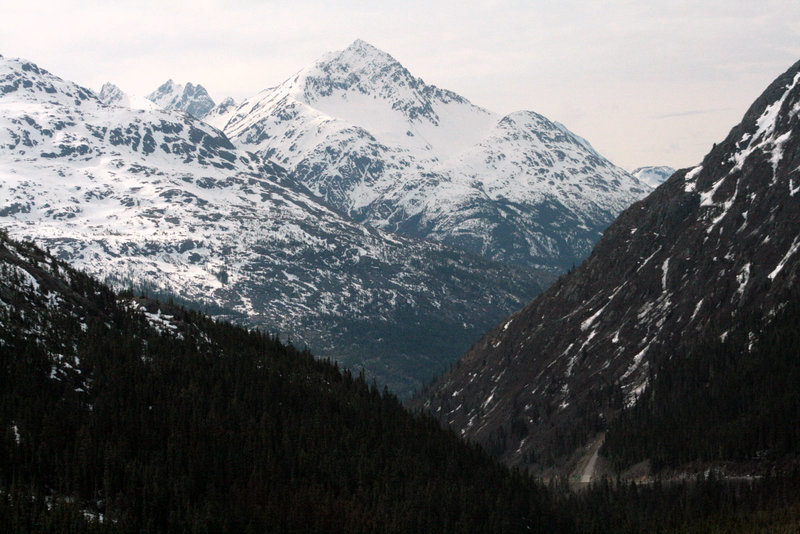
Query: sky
x=647, y=83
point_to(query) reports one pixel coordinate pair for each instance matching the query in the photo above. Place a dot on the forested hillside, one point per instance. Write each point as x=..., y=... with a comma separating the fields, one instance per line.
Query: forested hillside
x=734, y=400
x=161, y=420
x=123, y=414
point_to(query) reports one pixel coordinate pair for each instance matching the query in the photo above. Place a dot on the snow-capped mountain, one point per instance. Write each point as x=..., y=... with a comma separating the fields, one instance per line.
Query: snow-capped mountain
x=219, y=115
x=361, y=132
x=653, y=176
x=712, y=247
x=193, y=99
x=112, y=95
x=157, y=198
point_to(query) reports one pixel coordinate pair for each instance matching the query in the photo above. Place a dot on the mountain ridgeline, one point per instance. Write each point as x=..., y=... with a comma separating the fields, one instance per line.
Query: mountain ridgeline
x=193, y=99
x=381, y=145
x=713, y=251
x=158, y=199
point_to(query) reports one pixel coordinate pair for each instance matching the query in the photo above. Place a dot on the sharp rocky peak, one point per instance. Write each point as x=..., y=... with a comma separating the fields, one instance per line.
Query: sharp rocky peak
x=193, y=99
x=358, y=57
x=361, y=69
x=362, y=48
x=110, y=93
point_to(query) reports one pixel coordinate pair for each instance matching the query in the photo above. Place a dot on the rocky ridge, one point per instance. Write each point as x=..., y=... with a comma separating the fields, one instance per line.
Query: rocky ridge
x=193, y=99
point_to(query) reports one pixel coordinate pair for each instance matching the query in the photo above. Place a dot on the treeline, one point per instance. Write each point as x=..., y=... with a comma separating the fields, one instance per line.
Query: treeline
x=734, y=400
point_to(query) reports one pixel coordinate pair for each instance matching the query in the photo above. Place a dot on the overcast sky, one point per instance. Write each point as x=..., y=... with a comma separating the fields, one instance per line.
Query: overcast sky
x=647, y=83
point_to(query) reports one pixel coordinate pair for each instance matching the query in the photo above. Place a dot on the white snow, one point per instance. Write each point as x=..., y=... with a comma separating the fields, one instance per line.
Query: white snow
x=637, y=360
x=690, y=184
x=696, y=309
x=792, y=189
x=764, y=137
x=743, y=278
x=166, y=219
x=635, y=393
x=387, y=148
x=792, y=250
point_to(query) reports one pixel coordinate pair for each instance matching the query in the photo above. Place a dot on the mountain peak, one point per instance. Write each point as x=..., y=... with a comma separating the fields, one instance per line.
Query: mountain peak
x=193, y=99
x=363, y=47
x=362, y=72
x=359, y=57
x=167, y=87
x=110, y=94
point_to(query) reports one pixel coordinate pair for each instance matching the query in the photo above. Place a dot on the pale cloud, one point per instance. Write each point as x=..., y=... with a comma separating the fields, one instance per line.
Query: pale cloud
x=612, y=71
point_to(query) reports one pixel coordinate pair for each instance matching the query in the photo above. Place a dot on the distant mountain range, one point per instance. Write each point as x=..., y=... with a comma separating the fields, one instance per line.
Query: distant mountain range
x=653, y=176
x=170, y=96
x=715, y=249
x=158, y=199
x=193, y=99
x=375, y=142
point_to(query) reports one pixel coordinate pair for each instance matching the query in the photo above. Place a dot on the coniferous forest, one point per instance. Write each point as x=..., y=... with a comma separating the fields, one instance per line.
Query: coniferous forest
x=123, y=414
x=208, y=427
x=734, y=400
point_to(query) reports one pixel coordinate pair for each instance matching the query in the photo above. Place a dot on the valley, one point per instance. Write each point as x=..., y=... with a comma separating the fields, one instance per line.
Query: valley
x=357, y=302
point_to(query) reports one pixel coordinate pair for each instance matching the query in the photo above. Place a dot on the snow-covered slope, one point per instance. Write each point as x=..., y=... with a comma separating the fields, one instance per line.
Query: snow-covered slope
x=653, y=176
x=193, y=99
x=381, y=145
x=712, y=246
x=112, y=95
x=158, y=198
x=219, y=115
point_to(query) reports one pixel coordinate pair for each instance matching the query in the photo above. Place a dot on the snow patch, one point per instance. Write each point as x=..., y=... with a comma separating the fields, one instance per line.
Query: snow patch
x=792, y=249
x=743, y=278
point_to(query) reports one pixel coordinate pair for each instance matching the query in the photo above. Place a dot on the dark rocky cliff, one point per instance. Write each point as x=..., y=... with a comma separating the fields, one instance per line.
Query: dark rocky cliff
x=684, y=263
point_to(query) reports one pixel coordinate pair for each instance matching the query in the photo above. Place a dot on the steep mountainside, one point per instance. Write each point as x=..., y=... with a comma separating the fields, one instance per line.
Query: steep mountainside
x=712, y=243
x=732, y=402
x=193, y=99
x=158, y=199
x=361, y=132
x=124, y=414
x=653, y=176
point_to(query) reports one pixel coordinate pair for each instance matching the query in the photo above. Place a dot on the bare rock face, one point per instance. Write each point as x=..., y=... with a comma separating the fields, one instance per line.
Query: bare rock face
x=684, y=263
